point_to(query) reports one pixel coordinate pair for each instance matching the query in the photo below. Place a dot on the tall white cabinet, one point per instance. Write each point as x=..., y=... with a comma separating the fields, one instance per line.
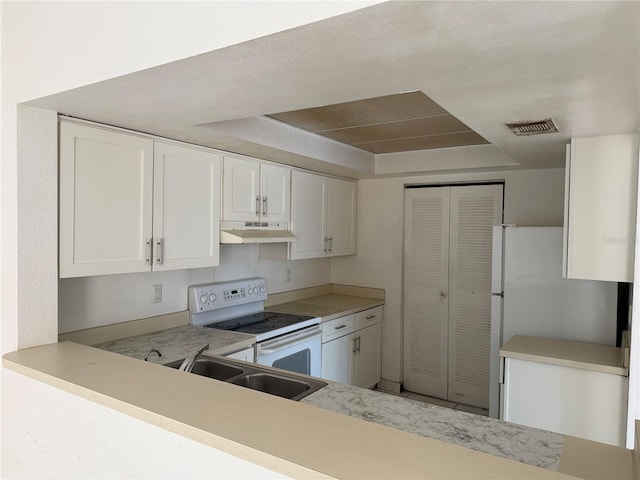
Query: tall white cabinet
x=129, y=204
x=600, y=207
x=255, y=191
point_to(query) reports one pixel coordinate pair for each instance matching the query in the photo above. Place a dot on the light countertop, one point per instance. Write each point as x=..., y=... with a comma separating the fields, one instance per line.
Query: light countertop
x=339, y=446
x=528, y=445
x=176, y=343
x=328, y=306
x=586, y=356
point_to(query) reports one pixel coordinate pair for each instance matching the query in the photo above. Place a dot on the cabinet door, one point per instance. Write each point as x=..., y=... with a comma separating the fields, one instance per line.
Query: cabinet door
x=106, y=182
x=275, y=189
x=337, y=359
x=308, y=214
x=186, y=208
x=367, y=358
x=341, y=217
x=248, y=355
x=600, y=208
x=241, y=190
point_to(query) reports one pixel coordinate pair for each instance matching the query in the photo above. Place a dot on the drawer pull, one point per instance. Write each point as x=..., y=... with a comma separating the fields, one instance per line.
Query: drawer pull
x=340, y=326
x=370, y=317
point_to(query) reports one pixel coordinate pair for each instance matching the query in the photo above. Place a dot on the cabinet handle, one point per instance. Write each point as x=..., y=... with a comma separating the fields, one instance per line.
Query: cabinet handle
x=355, y=350
x=357, y=344
x=370, y=317
x=331, y=244
x=257, y=205
x=264, y=206
x=326, y=239
x=148, y=251
x=340, y=326
x=159, y=249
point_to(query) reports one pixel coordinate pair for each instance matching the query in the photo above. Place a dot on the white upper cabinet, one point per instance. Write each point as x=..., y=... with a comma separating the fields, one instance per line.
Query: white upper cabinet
x=341, y=217
x=186, y=207
x=323, y=216
x=255, y=191
x=308, y=215
x=128, y=204
x=600, y=207
x=106, y=194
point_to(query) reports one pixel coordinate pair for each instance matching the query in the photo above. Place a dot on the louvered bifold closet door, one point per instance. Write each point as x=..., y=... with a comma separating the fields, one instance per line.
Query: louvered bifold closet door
x=426, y=250
x=474, y=211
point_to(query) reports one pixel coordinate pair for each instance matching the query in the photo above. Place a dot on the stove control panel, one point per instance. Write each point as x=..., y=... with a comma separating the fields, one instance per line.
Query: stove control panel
x=215, y=296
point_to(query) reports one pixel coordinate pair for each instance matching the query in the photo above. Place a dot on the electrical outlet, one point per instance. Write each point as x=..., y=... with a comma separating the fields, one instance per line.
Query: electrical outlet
x=288, y=272
x=157, y=293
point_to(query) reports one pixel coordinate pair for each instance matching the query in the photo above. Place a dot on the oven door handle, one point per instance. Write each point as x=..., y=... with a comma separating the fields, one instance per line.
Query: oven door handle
x=286, y=344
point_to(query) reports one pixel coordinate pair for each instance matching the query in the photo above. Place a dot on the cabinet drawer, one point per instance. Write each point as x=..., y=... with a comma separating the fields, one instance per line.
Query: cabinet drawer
x=338, y=327
x=368, y=317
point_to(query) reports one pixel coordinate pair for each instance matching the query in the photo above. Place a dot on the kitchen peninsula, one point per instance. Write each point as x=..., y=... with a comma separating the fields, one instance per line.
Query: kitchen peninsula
x=225, y=417
x=349, y=432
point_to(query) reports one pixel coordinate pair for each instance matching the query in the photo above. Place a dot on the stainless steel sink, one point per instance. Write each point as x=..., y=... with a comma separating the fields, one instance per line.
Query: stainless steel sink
x=255, y=377
x=211, y=369
x=273, y=384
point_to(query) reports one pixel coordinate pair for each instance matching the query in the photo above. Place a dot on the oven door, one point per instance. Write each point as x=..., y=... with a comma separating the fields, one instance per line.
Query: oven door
x=297, y=352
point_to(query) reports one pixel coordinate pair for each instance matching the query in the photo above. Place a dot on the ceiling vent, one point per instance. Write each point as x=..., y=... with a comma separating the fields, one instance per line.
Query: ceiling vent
x=533, y=128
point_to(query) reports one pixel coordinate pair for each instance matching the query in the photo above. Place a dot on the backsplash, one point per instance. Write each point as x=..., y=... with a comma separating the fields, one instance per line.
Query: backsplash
x=88, y=302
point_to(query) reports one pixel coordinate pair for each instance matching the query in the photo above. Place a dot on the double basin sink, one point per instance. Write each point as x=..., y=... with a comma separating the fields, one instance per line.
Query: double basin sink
x=291, y=386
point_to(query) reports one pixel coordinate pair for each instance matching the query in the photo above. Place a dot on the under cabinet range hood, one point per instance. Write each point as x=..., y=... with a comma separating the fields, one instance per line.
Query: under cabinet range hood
x=255, y=232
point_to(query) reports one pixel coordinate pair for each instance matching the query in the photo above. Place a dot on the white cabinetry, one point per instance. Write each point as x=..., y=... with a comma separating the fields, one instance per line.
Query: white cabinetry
x=351, y=348
x=323, y=216
x=248, y=355
x=186, y=207
x=572, y=401
x=600, y=207
x=124, y=208
x=255, y=191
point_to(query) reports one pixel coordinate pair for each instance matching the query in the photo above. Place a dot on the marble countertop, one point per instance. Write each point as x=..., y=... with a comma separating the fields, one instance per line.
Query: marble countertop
x=176, y=343
x=532, y=446
x=328, y=306
x=586, y=356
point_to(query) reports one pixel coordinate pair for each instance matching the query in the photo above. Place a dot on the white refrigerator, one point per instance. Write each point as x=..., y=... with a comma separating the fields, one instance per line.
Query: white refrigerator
x=530, y=297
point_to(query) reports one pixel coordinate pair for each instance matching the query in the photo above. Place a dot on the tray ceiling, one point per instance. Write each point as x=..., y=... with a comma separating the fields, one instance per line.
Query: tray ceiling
x=387, y=124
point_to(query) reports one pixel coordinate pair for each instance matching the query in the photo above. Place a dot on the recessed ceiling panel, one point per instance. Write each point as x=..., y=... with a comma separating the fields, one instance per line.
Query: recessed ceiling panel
x=417, y=127
x=393, y=123
x=424, y=143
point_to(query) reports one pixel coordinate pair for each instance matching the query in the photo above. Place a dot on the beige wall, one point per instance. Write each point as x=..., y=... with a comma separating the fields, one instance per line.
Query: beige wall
x=532, y=197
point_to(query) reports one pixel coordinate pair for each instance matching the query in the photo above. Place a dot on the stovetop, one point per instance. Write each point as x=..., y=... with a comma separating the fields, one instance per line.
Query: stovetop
x=238, y=305
x=265, y=324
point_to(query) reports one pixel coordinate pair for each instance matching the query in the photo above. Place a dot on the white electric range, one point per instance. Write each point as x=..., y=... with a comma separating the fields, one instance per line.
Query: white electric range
x=287, y=341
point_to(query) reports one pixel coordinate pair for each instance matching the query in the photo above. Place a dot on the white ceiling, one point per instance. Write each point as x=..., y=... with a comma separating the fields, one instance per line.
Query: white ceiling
x=487, y=63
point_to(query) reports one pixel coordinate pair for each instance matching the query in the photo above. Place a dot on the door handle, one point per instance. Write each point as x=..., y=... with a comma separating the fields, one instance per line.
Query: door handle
x=148, y=251
x=159, y=251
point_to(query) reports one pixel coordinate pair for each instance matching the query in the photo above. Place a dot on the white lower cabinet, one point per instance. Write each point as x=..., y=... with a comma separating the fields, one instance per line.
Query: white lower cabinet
x=351, y=348
x=247, y=354
x=367, y=356
x=571, y=401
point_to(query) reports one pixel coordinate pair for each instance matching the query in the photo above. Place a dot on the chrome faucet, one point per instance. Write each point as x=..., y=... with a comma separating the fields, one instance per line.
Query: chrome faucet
x=189, y=362
x=153, y=350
